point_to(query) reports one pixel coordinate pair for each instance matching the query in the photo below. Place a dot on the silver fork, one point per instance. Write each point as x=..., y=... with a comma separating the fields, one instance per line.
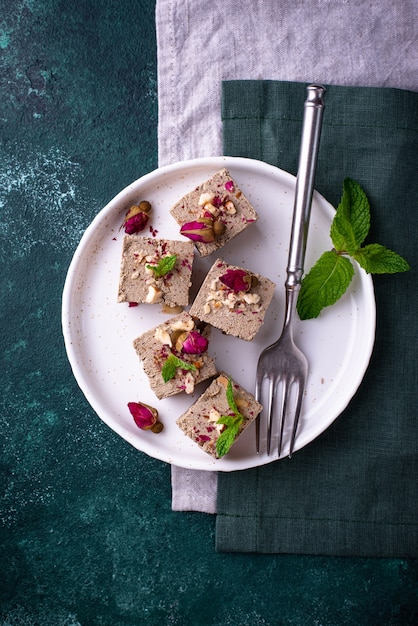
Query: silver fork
x=282, y=362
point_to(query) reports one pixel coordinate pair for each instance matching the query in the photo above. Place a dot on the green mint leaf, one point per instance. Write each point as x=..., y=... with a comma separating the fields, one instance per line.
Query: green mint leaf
x=377, y=259
x=164, y=265
x=351, y=222
x=230, y=398
x=227, y=436
x=171, y=364
x=324, y=284
x=232, y=423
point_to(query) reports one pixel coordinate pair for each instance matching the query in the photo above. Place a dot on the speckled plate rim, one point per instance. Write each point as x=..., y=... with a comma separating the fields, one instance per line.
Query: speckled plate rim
x=101, y=364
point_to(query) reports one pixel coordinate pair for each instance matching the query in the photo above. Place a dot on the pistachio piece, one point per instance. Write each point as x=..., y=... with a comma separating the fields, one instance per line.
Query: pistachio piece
x=254, y=281
x=145, y=206
x=241, y=403
x=180, y=337
x=218, y=228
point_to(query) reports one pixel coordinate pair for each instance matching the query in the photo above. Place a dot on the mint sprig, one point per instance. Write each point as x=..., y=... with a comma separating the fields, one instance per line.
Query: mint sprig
x=172, y=364
x=331, y=275
x=164, y=266
x=232, y=423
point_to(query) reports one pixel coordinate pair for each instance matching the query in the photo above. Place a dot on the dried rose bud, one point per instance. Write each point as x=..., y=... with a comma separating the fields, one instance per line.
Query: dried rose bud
x=200, y=230
x=136, y=223
x=136, y=217
x=145, y=416
x=194, y=343
x=237, y=280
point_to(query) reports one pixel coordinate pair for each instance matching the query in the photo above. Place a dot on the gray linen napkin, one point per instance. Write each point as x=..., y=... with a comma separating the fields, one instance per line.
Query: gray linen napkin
x=200, y=44
x=353, y=491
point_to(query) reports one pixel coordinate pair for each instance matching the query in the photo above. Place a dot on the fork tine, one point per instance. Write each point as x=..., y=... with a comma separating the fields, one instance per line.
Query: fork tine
x=270, y=413
x=257, y=433
x=285, y=394
x=257, y=395
x=296, y=417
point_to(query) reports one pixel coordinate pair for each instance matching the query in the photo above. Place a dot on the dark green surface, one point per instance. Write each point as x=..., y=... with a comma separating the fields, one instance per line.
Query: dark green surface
x=87, y=534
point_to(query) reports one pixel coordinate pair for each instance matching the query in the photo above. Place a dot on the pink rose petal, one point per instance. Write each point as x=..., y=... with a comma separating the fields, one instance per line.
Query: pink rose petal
x=195, y=343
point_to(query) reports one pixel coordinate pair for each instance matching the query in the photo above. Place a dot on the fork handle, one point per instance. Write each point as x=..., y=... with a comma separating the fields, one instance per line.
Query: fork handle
x=311, y=132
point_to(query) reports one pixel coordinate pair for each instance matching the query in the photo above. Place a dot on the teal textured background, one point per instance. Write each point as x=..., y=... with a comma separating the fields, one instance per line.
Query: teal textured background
x=87, y=532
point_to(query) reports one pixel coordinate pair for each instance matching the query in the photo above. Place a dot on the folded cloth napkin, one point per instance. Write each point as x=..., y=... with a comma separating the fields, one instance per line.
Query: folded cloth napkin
x=353, y=491
x=201, y=43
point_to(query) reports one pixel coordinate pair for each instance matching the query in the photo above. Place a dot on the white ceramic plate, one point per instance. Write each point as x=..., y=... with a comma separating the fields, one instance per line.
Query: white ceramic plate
x=99, y=331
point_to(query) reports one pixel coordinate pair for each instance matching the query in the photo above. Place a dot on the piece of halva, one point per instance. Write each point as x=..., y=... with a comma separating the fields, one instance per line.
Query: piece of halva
x=216, y=202
x=155, y=271
x=175, y=356
x=200, y=421
x=233, y=299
